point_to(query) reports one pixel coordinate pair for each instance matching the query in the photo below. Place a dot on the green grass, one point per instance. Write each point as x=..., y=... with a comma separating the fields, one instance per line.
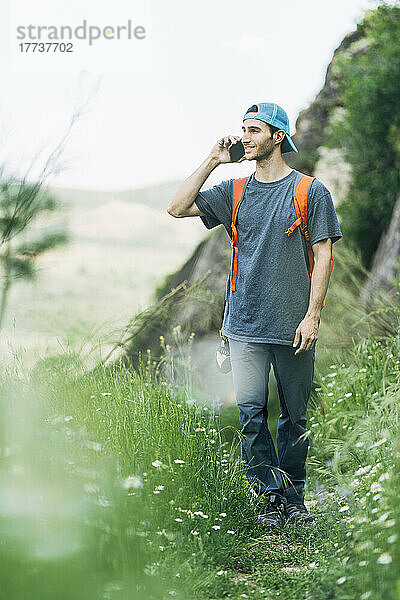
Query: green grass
x=116, y=485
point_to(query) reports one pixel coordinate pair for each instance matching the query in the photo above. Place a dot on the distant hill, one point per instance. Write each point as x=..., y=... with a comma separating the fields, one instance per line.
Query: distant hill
x=122, y=245
x=156, y=197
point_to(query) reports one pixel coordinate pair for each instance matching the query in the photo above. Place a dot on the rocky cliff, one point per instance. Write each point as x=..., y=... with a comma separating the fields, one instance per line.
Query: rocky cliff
x=312, y=124
x=381, y=281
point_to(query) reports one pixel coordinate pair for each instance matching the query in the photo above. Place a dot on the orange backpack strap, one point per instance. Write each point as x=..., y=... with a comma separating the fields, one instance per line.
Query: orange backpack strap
x=239, y=188
x=302, y=186
x=300, y=204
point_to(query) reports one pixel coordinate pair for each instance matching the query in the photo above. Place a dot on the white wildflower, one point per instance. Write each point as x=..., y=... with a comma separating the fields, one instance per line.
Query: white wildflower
x=384, y=559
x=380, y=442
x=376, y=487
x=390, y=523
x=363, y=470
x=383, y=517
x=132, y=482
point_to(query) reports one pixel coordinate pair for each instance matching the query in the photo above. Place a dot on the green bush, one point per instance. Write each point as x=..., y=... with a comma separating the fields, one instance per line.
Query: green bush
x=368, y=133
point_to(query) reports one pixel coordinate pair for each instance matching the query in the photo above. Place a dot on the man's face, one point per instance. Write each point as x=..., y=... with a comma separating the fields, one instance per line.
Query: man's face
x=257, y=139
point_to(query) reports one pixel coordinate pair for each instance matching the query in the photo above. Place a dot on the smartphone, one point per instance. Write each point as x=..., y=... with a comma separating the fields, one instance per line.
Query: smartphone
x=236, y=151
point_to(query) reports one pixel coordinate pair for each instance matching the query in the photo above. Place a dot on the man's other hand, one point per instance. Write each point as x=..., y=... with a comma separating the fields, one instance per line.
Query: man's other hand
x=307, y=331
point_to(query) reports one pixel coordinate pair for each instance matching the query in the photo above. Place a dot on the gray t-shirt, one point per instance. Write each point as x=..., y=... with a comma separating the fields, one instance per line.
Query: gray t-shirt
x=273, y=283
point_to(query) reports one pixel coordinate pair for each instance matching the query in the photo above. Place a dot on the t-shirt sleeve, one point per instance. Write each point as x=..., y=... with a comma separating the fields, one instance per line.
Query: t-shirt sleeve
x=216, y=204
x=322, y=221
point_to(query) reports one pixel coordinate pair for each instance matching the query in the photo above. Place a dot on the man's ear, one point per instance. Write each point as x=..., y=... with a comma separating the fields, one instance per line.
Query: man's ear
x=280, y=135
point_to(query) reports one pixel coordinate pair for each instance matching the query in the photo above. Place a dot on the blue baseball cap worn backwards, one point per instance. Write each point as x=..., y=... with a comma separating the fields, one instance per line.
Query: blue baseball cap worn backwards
x=273, y=114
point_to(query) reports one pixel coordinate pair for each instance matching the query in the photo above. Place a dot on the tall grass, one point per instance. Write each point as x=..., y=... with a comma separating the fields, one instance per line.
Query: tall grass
x=123, y=483
x=356, y=451
x=117, y=473
x=116, y=485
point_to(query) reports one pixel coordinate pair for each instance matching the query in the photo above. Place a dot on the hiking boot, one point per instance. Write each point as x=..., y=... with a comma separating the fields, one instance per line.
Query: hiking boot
x=274, y=513
x=298, y=513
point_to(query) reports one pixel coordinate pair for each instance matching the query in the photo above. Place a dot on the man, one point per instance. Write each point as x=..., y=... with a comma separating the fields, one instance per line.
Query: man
x=274, y=306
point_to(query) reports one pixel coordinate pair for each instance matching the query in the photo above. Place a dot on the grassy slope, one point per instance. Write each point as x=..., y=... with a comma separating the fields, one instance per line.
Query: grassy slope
x=114, y=485
x=146, y=490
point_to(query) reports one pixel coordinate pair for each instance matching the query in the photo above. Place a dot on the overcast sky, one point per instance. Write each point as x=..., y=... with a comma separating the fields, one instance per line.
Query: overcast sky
x=205, y=63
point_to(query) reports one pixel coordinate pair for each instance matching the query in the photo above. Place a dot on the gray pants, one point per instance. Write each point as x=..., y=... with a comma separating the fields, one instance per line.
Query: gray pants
x=268, y=470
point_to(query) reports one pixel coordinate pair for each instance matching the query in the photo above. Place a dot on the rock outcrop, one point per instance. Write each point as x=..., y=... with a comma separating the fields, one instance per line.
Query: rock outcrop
x=385, y=266
x=198, y=311
x=312, y=125
x=312, y=122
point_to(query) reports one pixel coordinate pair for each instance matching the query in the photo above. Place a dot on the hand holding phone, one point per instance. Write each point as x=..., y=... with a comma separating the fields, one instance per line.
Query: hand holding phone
x=236, y=151
x=227, y=147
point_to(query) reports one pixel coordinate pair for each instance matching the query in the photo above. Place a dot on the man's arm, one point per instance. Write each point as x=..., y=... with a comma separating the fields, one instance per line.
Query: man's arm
x=183, y=203
x=308, y=327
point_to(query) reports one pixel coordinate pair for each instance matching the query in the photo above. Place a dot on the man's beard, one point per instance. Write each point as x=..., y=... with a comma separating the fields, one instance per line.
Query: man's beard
x=266, y=153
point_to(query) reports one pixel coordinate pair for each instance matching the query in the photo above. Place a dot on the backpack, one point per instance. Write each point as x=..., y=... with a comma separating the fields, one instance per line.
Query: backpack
x=302, y=185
